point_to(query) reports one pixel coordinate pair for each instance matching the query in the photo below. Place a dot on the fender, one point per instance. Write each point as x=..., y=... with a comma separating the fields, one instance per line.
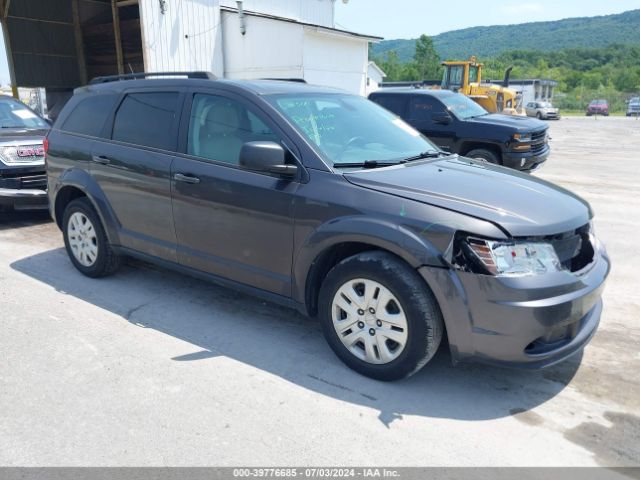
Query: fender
x=415, y=250
x=479, y=141
x=83, y=181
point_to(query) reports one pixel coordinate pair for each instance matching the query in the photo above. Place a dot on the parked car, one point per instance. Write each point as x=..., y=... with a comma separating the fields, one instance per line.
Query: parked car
x=325, y=202
x=542, y=111
x=598, y=107
x=633, y=107
x=23, y=180
x=457, y=124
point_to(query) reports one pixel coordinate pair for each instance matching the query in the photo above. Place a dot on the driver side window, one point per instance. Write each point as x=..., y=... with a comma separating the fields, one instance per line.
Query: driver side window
x=219, y=126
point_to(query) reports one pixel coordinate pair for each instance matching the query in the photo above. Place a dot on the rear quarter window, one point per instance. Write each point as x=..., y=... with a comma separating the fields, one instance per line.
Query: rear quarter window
x=393, y=103
x=89, y=115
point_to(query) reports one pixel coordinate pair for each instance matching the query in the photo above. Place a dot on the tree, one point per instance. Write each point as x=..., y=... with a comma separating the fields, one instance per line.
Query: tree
x=426, y=59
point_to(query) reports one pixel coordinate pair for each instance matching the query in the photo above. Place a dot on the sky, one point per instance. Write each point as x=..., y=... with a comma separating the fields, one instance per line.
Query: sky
x=411, y=18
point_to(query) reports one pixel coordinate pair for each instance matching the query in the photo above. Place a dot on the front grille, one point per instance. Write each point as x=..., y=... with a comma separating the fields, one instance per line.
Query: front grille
x=537, y=148
x=574, y=249
x=538, y=136
x=24, y=182
x=22, y=154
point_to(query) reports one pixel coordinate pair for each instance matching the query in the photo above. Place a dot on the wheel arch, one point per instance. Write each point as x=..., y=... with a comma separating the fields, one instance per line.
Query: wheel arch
x=338, y=240
x=469, y=145
x=76, y=183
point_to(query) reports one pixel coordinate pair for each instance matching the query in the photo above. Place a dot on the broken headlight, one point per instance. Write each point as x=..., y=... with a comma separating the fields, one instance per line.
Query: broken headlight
x=510, y=257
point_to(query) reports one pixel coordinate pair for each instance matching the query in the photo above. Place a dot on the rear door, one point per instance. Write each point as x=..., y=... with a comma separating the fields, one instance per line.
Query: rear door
x=231, y=222
x=422, y=110
x=133, y=167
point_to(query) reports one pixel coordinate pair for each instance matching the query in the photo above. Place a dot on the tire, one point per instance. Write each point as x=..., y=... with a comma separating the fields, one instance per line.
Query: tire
x=99, y=259
x=483, y=155
x=416, y=304
x=539, y=116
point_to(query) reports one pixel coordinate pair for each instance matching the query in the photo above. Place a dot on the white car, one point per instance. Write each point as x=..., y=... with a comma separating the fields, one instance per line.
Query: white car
x=542, y=110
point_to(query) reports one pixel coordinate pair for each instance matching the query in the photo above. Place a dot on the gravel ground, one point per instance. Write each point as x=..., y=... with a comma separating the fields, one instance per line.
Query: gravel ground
x=149, y=367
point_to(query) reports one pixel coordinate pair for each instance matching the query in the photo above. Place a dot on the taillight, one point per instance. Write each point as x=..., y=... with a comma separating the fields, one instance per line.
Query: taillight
x=45, y=144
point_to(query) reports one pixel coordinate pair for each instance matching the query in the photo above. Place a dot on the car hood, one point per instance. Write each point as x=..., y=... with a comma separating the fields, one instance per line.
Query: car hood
x=519, y=203
x=518, y=123
x=22, y=135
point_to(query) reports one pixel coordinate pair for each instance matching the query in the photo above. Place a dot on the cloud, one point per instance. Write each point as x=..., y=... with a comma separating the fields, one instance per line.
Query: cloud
x=522, y=8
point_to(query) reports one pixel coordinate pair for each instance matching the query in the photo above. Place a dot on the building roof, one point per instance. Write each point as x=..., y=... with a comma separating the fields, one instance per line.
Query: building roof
x=321, y=28
x=375, y=66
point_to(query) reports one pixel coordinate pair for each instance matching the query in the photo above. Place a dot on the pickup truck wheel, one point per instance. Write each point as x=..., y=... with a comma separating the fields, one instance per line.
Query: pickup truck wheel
x=379, y=316
x=483, y=155
x=86, y=242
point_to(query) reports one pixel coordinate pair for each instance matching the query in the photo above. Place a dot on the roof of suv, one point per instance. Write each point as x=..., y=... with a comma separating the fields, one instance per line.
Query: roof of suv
x=258, y=87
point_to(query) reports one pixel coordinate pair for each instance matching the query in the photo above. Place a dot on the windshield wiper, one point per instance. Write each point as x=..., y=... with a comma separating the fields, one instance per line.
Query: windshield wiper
x=13, y=126
x=432, y=154
x=367, y=164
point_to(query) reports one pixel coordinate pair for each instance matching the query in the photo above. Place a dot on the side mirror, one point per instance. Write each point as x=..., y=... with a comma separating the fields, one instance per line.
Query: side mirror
x=266, y=157
x=441, y=118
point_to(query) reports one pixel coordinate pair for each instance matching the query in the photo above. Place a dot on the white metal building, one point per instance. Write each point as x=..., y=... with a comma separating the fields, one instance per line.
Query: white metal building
x=80, y=39
x=375, y=76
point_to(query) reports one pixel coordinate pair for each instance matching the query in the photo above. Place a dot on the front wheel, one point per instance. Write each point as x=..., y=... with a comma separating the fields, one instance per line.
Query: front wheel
x=483, y=155
x=86, y=242
x=379, y=316
x=539, y=115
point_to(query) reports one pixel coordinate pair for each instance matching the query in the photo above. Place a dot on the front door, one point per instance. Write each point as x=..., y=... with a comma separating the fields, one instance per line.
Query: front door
x=231, y=222
x=422, y=110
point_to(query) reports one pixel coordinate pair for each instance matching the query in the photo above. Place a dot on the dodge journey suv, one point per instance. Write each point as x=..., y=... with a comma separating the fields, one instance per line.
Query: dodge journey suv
x=325, y=202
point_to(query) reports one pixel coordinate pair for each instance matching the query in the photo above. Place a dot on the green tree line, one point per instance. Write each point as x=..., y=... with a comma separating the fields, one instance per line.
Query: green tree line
x=582, y=74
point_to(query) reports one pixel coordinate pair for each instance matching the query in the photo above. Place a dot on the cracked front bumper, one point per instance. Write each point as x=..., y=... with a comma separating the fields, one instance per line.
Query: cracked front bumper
x=528, y=321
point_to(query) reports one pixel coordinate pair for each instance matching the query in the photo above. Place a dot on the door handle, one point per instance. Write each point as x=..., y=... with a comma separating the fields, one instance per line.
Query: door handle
x=101, y=159
x=181, y=177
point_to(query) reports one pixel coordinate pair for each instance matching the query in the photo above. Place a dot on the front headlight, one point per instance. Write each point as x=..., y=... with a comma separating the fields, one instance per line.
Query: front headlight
x=522, y=137
x=507, y=258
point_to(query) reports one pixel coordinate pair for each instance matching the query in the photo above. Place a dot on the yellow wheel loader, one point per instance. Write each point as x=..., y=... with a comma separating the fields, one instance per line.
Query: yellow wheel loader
x=465, y=77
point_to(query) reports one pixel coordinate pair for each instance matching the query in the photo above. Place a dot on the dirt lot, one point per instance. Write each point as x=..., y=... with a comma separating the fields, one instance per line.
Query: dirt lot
x=153, y=368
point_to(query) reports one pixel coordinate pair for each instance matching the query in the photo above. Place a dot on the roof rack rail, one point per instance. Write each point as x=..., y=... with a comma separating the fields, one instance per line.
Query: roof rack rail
x=296, y=80
x=134, y=76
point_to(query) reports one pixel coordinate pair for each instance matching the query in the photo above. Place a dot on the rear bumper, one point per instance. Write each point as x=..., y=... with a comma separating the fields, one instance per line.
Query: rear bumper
x=528, y=322
x=23, y=199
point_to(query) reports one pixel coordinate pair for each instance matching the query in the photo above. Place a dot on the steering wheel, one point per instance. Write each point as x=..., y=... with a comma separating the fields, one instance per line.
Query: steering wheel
x=352, y=141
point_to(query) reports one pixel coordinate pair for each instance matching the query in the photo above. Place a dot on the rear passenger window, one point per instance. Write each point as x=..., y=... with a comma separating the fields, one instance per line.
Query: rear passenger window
x=147, y=119
x=88, y=117
x=393, y=103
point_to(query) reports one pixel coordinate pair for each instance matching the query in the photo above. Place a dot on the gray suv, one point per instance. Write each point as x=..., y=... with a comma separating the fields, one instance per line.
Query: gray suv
x=327, y=203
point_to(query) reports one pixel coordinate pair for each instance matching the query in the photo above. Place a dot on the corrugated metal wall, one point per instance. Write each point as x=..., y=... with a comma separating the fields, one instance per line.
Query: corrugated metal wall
x=41, y=38
x=317, y=12
x=184, y=38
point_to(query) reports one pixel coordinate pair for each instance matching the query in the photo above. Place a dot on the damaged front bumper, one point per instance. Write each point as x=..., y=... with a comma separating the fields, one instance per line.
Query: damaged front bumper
x=524, y=321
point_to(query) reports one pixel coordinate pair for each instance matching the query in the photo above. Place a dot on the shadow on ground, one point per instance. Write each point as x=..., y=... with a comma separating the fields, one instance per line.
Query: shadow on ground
x=25, y=218
x=221, y=322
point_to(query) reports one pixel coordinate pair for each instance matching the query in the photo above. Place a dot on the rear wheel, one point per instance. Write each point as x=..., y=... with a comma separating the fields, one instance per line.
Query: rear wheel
x=379, y=317
x=86, y=242
x=483, y=155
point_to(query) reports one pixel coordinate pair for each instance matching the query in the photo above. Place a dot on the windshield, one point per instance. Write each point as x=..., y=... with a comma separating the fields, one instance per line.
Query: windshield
x=14, y=114
x=546, y=105
x=350, y=129
x=463, y=107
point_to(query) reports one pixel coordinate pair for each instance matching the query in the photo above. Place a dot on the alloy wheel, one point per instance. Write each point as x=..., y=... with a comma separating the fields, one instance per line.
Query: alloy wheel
x=82, y=239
